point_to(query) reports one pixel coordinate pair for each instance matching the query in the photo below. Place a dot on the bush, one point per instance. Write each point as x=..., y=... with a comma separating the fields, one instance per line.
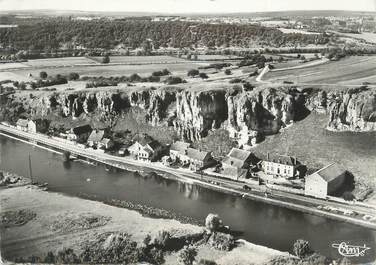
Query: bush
x=135, y=78
x=162, y=239
x=203, y=76
x=348, y=196
x=173, y=80
x=193, y=72
x=187, y=255
x=228, y=72
x=206, y=262
x=221, y=241
x=73, y=76
x=213, y=222
x=106, y=59
x=301, y=248
x=235, y=81
x=43, y=75
x=154, y=79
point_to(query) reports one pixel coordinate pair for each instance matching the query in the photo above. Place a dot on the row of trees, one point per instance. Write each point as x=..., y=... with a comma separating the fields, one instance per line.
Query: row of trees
x=56, y=33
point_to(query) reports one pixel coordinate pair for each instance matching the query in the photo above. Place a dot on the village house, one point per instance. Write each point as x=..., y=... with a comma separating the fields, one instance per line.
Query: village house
x=79, y=134
x=105, y=144
x=22, y=125
x=325, y=181
x=198, y=159
x=236, y=164
x=95, y=137
x=145, y=148
x=178, y=152
x=280, y=165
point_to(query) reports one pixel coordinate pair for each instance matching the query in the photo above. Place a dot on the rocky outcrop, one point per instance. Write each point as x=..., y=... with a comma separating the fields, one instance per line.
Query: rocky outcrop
x=351, y=111
x=199, y=112
x=252, y=115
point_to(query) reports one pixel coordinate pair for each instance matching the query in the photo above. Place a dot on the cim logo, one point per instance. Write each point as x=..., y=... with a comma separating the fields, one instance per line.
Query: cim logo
x=346, y=250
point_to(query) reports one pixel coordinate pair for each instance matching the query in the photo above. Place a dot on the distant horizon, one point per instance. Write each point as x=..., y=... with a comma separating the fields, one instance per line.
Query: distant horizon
x=181, y=13
x=187, y=7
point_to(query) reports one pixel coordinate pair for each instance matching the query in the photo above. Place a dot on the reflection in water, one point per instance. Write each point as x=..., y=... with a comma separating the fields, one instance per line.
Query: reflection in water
x=67, y=164
x=260, y=223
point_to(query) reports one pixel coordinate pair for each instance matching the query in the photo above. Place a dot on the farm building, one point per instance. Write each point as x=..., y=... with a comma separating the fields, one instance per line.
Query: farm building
x=279, y=165
x=237, y=163
x=198, y=159
x=80, y=133
x=178, y=151
x=325, y=182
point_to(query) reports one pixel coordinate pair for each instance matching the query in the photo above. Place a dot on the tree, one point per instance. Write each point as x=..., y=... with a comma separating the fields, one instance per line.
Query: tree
x=43, y=75
x=73, y=76
x=212, y=222
x=203, y=75
x=187, y=255
x=206, y=262
x=106, y=59
x=348, y=196
x=228, y=72
x=301, y=248
x=193, y=72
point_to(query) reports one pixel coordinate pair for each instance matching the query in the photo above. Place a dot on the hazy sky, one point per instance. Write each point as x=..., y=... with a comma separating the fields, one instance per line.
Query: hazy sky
x=187, y=6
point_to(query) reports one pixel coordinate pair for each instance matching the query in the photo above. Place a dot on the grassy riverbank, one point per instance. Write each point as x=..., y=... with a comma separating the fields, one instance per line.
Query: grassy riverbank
x=52, y=221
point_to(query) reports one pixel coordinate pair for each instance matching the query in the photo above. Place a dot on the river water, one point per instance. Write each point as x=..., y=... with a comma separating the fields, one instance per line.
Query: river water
x=258, y=222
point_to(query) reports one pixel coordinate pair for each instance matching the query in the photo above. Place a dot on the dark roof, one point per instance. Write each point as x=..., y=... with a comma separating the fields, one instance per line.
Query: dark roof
x=96, y=135
x=82, y=129
x=239, y=154
x=331, y=172
x=154, y=145
x=197, y=154
x=281, y=159
x=180, y=146
x=22, y=122
x=142, y=139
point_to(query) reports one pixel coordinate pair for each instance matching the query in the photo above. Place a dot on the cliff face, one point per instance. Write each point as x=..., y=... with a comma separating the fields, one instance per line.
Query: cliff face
x=247, y=116
x=266, y=112
x=351, y=110
x=191, y=113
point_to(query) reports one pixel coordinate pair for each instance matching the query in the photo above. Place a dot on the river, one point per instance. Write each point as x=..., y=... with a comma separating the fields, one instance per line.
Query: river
x=258, y=222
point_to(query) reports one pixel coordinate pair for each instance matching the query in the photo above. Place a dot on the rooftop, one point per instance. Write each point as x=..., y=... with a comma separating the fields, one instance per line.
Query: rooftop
x=197, y=154
x=331, y=172
x=281, y=159
x=96, y=135
x=180, y=146
x=22, y=122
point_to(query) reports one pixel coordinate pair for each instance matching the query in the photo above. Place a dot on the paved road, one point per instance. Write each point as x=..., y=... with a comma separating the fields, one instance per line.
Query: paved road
x=281, y=198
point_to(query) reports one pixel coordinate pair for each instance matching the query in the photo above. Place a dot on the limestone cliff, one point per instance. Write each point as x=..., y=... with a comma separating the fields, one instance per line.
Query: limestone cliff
x=349, y=110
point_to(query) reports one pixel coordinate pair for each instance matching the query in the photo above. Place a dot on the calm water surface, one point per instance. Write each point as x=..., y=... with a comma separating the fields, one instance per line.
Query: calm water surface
x=259, y=223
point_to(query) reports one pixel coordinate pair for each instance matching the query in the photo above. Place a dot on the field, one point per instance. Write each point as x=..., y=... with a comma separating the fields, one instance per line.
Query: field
x=142, y=59
x=355, y=70
x=367, y=36
x=297, y=31
x=88, y=67
x=316, y=147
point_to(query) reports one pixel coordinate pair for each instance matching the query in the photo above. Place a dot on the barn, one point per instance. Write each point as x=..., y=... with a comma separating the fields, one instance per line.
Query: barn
x=325, y=181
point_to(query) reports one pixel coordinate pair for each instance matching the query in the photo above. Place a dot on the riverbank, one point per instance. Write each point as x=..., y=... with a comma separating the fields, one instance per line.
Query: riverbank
x=54, y=221
x=360, y=214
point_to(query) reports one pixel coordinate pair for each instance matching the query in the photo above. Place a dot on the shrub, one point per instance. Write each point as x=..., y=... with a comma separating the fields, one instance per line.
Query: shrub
x=106, y=59
x=135, y=78
x=187, y=255
x=213, y=222
x=206, y=262
x=173, y=80
x=203, y=76
x=43, y=75
x=301, y=248
x=348, y=196
x=193, y=72
x=235, y=81
x=162, y=239
x=228, y=72
x=73, y=76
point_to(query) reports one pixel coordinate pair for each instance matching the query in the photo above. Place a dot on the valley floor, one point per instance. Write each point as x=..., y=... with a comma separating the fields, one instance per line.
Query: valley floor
x=58, y=223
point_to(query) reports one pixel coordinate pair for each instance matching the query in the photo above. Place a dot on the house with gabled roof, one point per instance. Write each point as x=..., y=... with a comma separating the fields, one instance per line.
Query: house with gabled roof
x=325, y=181
x=179, y=150
x=145, y=148
x=79, y=133
x=236, y=164
x=280, y=165
x=198, y=159
x=22, y=125
x=95, y=137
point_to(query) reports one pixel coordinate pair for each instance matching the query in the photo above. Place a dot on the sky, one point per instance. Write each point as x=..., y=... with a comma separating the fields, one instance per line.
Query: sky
x=190, y=6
